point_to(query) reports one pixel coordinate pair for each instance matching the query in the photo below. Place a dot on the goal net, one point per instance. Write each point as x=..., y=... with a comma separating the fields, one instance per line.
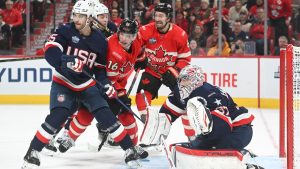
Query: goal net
x=290, y=106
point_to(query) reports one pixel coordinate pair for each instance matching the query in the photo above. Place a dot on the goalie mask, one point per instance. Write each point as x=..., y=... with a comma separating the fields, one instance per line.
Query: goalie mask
x=190, y=78
x=199, y=116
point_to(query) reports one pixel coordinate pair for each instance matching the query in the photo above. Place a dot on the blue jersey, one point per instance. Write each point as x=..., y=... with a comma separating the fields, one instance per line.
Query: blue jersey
x=66, y=40
x=216, y=99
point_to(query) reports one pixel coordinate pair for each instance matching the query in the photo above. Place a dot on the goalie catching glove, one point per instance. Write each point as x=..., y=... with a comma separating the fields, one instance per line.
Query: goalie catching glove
x=199, y=116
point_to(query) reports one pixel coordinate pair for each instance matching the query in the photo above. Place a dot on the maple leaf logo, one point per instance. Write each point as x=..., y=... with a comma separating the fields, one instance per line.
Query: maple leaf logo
x=145, y=81
x=160, y=57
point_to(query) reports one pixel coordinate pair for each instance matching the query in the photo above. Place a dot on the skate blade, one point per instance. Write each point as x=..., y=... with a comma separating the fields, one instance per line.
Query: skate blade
x=134, y=164
x=27, y=165
x=50, y=153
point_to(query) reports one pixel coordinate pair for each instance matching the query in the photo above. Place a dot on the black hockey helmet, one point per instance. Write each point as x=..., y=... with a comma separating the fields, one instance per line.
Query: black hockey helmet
x=128, y=26
x=165, y=8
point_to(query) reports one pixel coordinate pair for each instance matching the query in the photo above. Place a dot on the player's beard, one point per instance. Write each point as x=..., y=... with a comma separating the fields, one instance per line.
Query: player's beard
x=162, y=28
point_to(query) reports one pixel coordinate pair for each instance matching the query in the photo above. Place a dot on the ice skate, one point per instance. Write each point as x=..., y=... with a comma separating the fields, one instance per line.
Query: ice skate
x=63, y=136
x=50, y=149
x=31, y=159
x=141, y=152
x=105, y=138
x=131, y=158
x=66, y=144
x=253, y=166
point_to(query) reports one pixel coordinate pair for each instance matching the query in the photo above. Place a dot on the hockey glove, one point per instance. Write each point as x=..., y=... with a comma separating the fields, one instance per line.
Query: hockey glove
x=117, y=107
x=110, y=91
x=72, y=63
x=127, y=101
x=169, y=78
x=141, y=64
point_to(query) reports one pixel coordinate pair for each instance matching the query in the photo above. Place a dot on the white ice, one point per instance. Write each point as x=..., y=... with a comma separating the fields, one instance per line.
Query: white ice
x=20, y=122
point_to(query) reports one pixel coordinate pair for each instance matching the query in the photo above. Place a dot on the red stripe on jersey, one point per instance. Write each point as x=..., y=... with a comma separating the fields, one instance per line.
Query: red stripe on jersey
x=49, y=46
x=171, y=110
x=223, y=117
x=243, y=121
x=41, y=138
x=62, y=82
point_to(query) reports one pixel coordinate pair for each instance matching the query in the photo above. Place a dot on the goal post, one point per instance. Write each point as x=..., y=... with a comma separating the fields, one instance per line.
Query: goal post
x=290, y=106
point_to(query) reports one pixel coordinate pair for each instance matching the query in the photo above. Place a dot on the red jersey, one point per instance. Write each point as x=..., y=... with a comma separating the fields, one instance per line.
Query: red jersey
x=120, y=63
x=165, y=50
x=279, y=8
x=12, y=17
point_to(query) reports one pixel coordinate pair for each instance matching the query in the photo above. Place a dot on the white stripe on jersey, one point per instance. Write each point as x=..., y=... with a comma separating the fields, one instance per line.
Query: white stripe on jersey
x=174, y=107
x=167, y=53
x=184, y=55
x=55, y=44
x=81, y=86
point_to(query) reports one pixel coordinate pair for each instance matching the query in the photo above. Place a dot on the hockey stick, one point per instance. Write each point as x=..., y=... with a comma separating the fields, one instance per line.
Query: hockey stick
x=21, y=59
x=98, y=25
x=128, y=93
x=101, y=85
x=168, y=153
x=133, y=81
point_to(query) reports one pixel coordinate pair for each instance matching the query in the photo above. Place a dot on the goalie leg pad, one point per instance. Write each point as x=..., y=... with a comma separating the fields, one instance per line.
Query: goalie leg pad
x=157, y=125
x=164, y=127
x=150, y=127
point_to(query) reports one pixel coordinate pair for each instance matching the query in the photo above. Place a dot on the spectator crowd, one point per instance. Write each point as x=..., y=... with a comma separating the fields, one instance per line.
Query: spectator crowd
x=242, y=22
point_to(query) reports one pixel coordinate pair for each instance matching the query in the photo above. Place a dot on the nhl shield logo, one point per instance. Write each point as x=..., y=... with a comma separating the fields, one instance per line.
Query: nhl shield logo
x=75, y=39
x=61, y=98
x=152, y=40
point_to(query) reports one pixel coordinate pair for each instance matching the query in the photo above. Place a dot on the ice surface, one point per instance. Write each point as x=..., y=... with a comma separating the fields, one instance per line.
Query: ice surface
x=20, y=122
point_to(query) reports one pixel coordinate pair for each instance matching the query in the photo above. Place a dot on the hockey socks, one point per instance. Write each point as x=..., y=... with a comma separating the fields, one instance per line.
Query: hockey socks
x=80, y=122
x=129, y=123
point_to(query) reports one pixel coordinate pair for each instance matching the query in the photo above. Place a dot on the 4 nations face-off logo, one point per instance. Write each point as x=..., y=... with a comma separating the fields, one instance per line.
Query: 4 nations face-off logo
x=159, y=58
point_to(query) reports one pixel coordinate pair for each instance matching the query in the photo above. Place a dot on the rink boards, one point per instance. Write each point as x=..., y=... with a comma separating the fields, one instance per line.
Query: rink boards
x=251, y=81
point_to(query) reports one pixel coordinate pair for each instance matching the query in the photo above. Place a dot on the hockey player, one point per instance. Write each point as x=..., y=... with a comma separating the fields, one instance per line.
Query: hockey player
x=166, y=51
x=78, y=43
x=101, y=13
x=124, y=48
x=213, y=119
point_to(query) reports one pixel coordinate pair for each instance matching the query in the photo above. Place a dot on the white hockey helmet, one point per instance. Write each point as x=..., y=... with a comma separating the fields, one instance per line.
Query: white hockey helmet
x=193, y=77
x=82, y=7
x=100, y=9
x=199, y=116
